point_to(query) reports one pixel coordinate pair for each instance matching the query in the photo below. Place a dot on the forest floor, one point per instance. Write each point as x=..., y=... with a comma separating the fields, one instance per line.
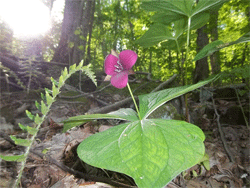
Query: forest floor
x=53, y=161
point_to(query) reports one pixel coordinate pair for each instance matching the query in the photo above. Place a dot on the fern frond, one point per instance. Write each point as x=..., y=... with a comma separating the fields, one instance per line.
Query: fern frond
x=13, y=74
x=89, y=72
x=44, y=107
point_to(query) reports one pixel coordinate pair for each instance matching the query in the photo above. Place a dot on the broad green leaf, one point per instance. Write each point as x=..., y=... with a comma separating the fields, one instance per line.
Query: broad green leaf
x=30, y=130
x=180, y=7
x=151, y=151
x=208, y=50
x=20, y=141
x=149, y=102
x=199, y=20
x=123, y=114
x=205, y=5
x=166, y=18
x=156, y=33
x=17, y=158
x=126, y=113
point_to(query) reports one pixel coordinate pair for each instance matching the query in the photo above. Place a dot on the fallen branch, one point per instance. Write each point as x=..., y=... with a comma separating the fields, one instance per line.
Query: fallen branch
x=164, y=83
x=230, y=156
x=112, y=107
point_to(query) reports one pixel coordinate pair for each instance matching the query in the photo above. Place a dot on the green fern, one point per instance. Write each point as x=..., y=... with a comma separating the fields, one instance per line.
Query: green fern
x=88, y=71
x=13, y=74
x=44, y=107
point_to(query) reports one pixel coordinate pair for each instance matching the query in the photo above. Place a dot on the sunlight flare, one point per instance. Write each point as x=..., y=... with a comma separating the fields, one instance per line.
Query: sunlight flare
x=27, y=18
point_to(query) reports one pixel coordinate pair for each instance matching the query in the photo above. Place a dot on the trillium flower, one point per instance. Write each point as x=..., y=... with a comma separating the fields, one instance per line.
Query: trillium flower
x=119, y=66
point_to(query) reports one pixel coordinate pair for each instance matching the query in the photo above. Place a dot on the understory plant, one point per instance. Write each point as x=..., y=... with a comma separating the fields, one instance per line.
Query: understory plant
x=152, y=151
x=44, y=108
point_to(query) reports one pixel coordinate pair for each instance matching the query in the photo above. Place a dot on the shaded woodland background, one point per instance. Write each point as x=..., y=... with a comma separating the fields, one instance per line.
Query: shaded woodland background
x=90, y=29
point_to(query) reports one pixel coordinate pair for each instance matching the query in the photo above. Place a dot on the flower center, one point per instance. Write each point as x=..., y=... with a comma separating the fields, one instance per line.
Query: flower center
x=119, y=67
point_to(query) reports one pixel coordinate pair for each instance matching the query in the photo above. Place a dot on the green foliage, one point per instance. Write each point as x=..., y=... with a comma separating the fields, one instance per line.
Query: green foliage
x=175, y=12
x=217, y=45
x=152, y=151
x=44, y=107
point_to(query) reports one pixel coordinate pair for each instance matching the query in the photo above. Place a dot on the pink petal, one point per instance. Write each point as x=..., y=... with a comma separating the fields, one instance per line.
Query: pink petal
x=120, y=80
x=109, y=64
x=128, y=59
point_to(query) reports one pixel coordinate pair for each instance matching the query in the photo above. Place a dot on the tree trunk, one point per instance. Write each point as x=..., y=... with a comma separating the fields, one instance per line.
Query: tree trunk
x=88, y=59
x=62, y=52
x=215, y=57
x=201, y=66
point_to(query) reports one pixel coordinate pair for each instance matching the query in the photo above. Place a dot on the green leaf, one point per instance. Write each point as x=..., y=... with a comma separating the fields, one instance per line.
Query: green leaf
x=20, y=141
x=42, y=96
x=166, y=17
x=77, y=32
x=81, y=47
x=49, y=98
x=44, y=108
x=123, y=114
x=244, y=38
x=150, y=102
x=156, y=33
x=87, y=70
x=126, y=113
x=217, y=45
x=72, y=68
x=70, y=124
x=65, y=73
x=30, y=130
x=152, y=151
x=55, y=90
x=17, y=158
x=54, y=81
x=61, y=81
x=208, y=50
x=180, y=7
x=37, y=119
x=205, y=5
x=29, y=115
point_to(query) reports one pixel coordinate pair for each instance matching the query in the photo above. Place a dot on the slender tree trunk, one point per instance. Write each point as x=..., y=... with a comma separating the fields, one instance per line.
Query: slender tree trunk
x=201, y=66
x=88, y=59
x=214, y=58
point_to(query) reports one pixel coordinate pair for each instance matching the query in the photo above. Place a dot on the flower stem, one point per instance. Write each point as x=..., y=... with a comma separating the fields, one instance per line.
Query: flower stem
x=134, y=101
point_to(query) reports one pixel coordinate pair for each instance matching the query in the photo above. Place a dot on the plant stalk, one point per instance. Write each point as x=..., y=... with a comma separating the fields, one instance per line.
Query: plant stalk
x=134, y=101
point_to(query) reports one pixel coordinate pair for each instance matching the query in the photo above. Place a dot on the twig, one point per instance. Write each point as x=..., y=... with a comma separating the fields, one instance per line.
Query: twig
x=242, y=110
x=222, y=134
x=164, y=83
x=112, y=106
